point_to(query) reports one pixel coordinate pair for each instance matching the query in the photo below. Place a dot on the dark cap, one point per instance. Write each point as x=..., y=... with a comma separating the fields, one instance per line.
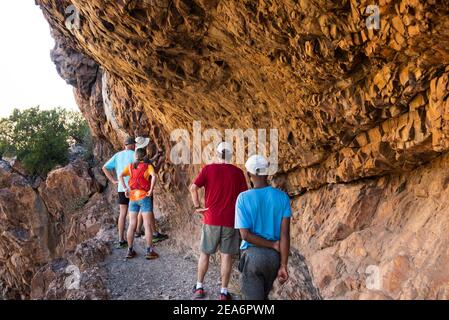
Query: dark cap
x=130, y=140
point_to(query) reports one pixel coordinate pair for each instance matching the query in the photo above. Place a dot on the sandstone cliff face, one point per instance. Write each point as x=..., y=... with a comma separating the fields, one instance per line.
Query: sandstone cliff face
x=378, y=239
x=350, y=103
x=24, y=233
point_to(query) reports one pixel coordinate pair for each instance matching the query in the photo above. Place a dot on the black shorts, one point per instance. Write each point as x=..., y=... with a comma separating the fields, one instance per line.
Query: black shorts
x=122, y=199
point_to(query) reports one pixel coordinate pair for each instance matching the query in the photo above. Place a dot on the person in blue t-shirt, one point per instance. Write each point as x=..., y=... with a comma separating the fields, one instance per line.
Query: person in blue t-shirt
x=263, y=217
x=118, y=163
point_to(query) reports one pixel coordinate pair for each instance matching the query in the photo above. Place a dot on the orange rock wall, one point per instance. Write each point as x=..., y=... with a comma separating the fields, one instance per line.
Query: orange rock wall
x=43, y=221
x=359, y=111
x=391, y=230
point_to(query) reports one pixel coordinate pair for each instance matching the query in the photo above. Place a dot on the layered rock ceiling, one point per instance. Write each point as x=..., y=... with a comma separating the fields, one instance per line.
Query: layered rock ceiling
x=349, y=103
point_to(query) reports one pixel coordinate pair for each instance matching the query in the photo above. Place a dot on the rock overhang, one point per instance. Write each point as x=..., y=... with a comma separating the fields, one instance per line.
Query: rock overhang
x=349, y=101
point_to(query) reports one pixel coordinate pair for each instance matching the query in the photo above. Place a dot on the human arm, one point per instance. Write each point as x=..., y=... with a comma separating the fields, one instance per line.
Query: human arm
x=109, y=175
x=196, y=199
x=154, y=158
x=257, y=241
x=122, y=181
x=199, y=182
x=153, y=183
x=244, y=223
x=107, y=169
x=284, y=250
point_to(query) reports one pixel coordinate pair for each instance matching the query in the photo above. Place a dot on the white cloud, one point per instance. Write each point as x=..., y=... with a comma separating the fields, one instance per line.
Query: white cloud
x=28, y=77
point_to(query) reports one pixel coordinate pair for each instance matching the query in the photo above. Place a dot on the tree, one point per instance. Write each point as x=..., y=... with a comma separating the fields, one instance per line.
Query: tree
x=6, y=147
x=40, y=138
x=76, y=126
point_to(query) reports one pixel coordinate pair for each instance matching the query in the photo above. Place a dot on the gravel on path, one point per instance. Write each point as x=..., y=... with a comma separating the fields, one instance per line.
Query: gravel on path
x=170, y=277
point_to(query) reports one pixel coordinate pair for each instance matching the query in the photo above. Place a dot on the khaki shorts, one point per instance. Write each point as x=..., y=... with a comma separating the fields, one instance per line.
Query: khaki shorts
x=213, y=236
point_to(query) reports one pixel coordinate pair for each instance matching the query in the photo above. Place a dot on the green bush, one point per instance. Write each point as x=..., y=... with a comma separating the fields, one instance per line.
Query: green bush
x=88, y=145
x=41, y=138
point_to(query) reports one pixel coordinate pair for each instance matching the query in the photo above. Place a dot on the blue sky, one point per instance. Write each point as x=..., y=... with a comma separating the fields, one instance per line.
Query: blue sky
x=28, y=77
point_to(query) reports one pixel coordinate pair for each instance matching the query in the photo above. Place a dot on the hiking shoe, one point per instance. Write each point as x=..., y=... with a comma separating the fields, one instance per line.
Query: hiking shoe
x=131, y=253
x=198, y=293
x=226, y=296
x=159, y=237
x=151, y=254
x=139, y=234
x=122, y=244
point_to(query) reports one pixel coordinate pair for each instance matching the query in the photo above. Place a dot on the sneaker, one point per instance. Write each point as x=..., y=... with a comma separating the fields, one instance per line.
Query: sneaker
x=151, y=254
x=198, y=293
x=159, y=237
x=139, y=234
x=226, y=296
x=131, y=253
x=122, y=244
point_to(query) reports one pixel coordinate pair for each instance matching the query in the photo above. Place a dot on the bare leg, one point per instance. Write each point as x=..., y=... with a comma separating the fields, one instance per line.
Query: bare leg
x=226, y=268
x=122, y=221
x=148, y=230
x=139, y=222
x=203, y=266
x=153, y=220
x=132, y=228
x=153, y=224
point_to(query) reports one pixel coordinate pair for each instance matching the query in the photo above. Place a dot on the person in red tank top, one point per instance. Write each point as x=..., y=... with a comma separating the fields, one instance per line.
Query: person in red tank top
x=139, y=190
x=223, y=182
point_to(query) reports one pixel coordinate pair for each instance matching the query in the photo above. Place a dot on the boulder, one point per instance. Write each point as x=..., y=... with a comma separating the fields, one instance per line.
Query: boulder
x=39, y=228
x=68, y=189
x=24, y=233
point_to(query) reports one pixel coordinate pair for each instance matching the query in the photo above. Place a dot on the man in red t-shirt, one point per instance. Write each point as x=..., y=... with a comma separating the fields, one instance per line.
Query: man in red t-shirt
x=223, y=182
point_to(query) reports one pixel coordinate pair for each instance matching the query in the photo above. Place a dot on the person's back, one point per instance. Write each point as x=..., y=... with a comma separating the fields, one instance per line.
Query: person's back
x=118, y=163
x=139, y=180
x=121, y=160
x=139, y=190
x=261, y=211
x=263, y=218
x=223, y=183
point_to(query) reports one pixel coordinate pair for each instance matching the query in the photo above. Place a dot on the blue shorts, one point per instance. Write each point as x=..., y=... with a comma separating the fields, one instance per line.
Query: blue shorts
x=145, y=205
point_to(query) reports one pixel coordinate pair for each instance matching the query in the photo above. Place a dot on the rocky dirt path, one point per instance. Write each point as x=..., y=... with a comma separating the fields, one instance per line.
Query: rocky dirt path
x=171, y=277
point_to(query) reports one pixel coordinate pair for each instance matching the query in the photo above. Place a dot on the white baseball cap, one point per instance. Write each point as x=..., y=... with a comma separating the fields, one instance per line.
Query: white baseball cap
x=224, y=146
x=142, y=142
x=257, y=165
